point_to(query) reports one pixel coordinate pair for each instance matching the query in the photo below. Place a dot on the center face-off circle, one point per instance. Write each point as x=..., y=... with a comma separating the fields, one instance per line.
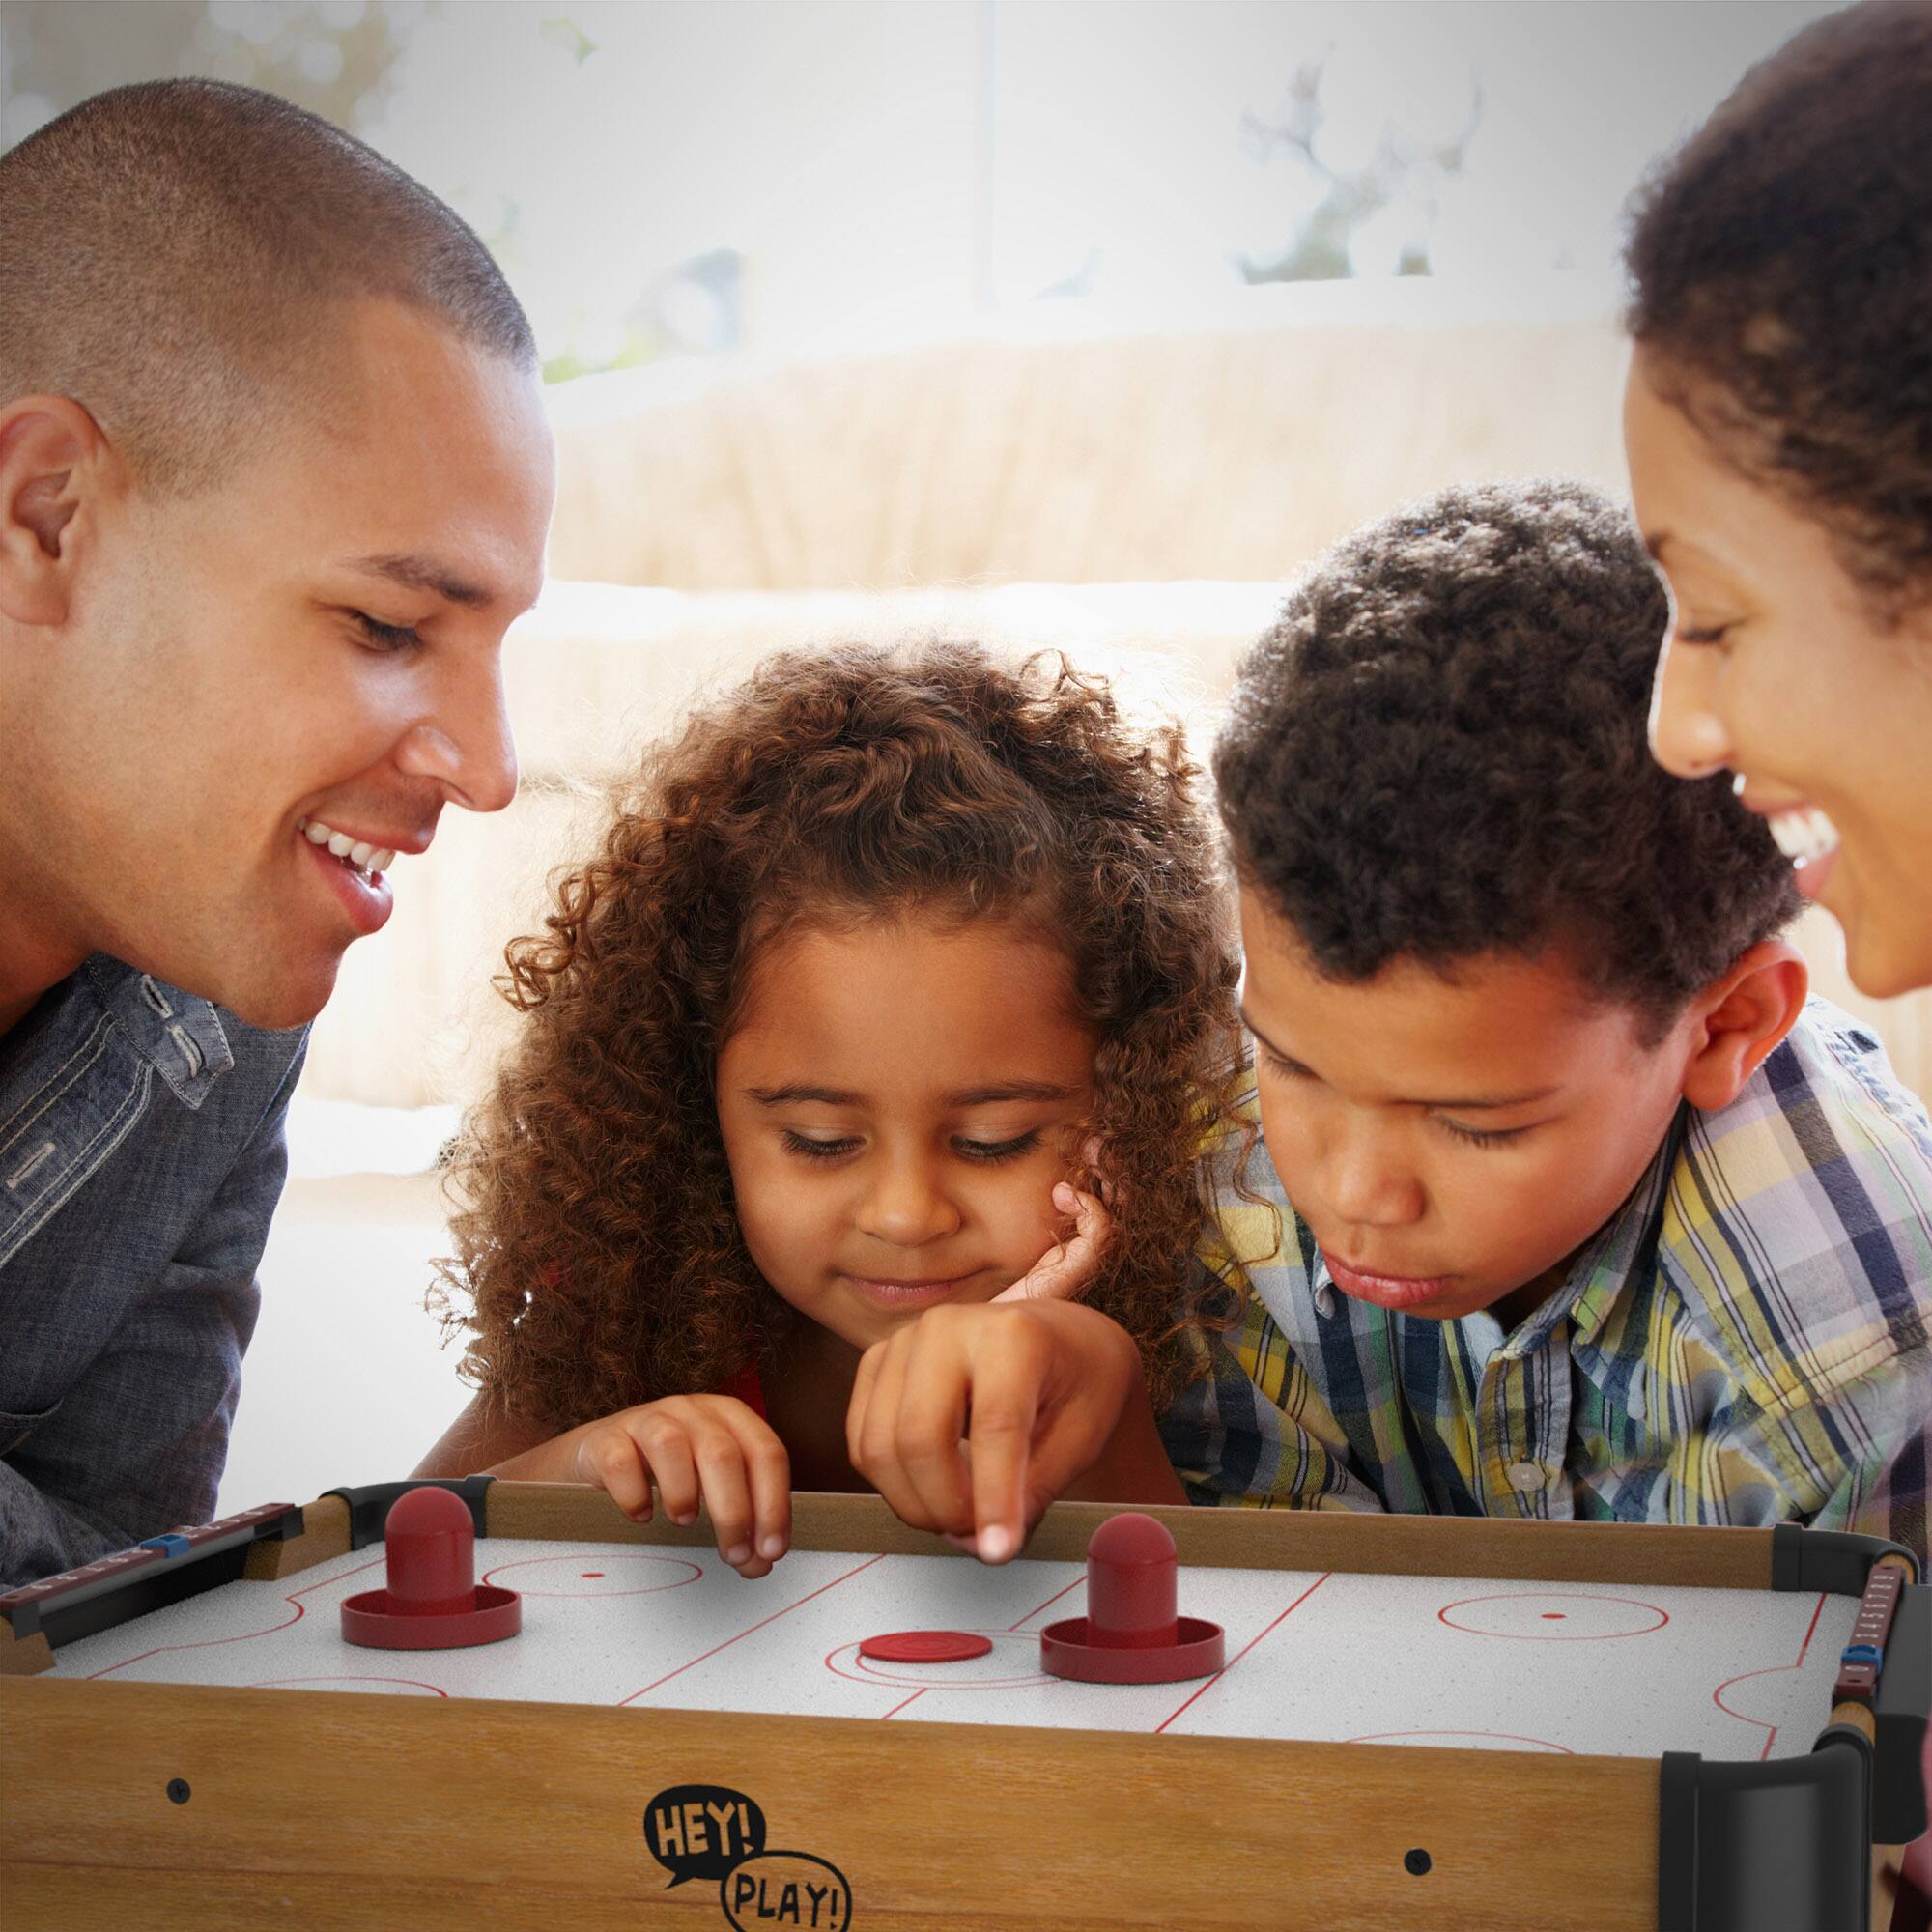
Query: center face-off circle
x=926, y=1646
x=1010, y=1661
x=1553, y=1616
x=607, y=1573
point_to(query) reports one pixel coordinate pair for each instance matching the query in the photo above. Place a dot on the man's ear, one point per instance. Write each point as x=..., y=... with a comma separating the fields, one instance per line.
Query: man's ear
x=1740, y=1017
x=53, y=457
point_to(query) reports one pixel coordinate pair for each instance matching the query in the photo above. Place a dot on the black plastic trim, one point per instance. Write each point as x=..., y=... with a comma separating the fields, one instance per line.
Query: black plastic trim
x=1836, y=1561
x=369, y=1503
x=1777, y=1847
x=154, y=1586
x=1899, y=1716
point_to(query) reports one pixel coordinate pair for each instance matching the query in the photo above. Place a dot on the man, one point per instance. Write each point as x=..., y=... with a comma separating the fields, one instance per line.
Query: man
x=274, y=477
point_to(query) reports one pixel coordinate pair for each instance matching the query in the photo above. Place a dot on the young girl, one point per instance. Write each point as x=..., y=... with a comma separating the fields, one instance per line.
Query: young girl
x=877, y=958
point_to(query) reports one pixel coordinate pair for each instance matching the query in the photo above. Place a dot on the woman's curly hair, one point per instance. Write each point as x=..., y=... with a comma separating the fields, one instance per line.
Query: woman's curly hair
x=595, y=1228
x=1780, y=264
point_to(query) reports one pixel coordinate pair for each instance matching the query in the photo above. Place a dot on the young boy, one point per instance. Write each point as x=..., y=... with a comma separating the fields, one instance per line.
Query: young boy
x=1570, y=1204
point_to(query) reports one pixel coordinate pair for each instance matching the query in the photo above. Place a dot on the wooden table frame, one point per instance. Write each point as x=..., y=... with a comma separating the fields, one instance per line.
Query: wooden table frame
x=339, y=1810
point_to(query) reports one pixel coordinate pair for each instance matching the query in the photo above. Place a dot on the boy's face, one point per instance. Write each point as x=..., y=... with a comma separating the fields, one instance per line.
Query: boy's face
x=315, y=640
x=1450, y=1145
x=896, y=1105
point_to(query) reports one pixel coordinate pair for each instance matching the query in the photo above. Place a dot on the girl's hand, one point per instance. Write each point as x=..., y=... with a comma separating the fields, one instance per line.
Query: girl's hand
x=972, y=1419
x=1064, y=1272
x=709, y=1448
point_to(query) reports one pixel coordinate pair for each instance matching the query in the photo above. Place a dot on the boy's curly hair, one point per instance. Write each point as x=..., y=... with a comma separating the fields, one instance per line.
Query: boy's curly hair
x=596, y=1234
x=1438, y=751
x=1780, y=264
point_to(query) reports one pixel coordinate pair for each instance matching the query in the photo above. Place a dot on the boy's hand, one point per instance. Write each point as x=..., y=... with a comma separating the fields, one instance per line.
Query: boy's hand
x=972, y=1419
x=709, y=1448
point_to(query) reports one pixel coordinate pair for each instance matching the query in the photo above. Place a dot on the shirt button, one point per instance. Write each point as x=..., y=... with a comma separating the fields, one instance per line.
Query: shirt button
x=1525, y=1475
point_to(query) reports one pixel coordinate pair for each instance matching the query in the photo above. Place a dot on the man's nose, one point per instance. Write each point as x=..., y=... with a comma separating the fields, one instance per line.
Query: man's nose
x=1687, y=731
x=466, y=744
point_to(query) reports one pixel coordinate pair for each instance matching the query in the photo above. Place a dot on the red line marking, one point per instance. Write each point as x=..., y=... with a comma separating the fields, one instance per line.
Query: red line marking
x=1049, y=1604
x=1770, y=1671
x=1810, y=1629
x=758, y=1626
x=897, y=1708
x=241, y=1637
x=1204, y=1689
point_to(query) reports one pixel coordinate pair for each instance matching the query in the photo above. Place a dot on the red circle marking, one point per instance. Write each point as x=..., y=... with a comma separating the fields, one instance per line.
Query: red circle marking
x=1466, y=1739
x=846, y=1663
x=926, y=1646
x=1604, y=1620
x=640, y=1575
x=408, y=1687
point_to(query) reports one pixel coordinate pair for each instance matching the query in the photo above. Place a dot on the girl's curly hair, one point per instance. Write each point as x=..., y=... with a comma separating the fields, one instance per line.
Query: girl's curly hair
x=595, y=1229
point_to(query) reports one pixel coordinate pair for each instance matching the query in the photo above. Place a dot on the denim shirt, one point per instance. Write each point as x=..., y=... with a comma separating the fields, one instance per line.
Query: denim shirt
x=141, y=1157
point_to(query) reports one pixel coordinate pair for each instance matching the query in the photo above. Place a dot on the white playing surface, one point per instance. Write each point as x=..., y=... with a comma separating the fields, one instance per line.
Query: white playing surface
x=1433, y=1661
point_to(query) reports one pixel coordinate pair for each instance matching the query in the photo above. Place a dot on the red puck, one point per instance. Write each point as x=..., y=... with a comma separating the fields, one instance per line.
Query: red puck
x=925, y=1646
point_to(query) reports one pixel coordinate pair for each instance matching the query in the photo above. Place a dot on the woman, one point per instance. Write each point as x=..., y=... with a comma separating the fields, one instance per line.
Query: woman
x=1779, y=419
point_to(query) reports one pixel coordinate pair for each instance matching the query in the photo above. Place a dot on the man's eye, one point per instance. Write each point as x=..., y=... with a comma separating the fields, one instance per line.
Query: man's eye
x=998, y=1150
x=1289, y=1069
x=389, y=636
x=816, y=1150
x=1709, y=634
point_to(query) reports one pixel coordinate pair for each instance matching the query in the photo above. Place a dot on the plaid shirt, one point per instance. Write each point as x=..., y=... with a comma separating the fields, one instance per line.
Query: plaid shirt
x=1744, y=1342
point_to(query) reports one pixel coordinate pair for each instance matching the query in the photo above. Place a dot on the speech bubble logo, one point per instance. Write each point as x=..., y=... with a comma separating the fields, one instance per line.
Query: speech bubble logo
x=786, y=1889
x=703, y=1830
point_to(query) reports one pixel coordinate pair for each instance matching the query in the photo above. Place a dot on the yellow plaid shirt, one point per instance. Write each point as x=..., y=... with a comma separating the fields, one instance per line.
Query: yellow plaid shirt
x=1744, y=1342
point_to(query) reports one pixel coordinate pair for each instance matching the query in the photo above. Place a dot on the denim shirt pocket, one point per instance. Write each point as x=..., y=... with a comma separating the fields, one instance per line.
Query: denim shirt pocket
x=15, y=1428
x=74, y=1113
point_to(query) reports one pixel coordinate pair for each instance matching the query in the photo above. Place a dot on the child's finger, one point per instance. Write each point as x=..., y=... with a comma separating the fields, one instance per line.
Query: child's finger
x=931, y=1420
x=1090, y=1157
x=768, y=1472
x=1088, y=1366
x=881, y=1447
x=668, y=1450
x=859, y=1405
x=611, y=1461
x=1066, y=1270
x=1010, y=1372
x=727, y=1495
x=872, y=1430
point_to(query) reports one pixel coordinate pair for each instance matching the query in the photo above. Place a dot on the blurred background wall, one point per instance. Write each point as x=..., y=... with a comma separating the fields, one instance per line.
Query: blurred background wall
x=1082, y=323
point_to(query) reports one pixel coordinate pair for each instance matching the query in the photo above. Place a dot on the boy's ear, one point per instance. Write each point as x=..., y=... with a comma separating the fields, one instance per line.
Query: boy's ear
x=52, y=457
x=1740, y=1017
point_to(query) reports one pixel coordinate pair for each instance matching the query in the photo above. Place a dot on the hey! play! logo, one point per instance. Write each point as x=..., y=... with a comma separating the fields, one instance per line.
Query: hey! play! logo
x=711, y=1832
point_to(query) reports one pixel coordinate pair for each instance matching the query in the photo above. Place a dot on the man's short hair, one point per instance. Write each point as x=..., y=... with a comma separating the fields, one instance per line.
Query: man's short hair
x=1438, y=751
x=179, y=254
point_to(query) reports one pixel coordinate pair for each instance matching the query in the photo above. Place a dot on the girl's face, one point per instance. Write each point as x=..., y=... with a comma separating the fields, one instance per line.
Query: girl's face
x=1775, y=669
x=897, y=1104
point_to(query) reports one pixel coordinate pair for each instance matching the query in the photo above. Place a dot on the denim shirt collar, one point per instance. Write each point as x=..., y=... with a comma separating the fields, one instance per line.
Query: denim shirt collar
x=178, y=1034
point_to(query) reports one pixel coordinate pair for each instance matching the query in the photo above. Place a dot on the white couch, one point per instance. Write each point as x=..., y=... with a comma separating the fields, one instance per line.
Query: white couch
x=1136, y=500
